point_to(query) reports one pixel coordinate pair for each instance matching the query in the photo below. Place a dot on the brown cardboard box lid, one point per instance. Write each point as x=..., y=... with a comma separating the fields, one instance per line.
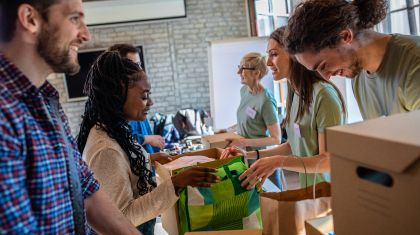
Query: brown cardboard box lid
x=221, y=137
x=229, y=232
x=215, y=153
x=319, y=226
x=378, y=142
x=211, y=153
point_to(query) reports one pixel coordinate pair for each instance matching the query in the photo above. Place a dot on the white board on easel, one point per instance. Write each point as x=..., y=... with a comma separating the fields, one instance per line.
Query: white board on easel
x=225, y=83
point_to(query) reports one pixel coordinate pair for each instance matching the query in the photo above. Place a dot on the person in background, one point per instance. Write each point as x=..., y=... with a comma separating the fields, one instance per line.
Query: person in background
x=256, y=116
x=313, y=104
x=118, y=92
x=151, y=143
x=45, y=186
x=335, y=37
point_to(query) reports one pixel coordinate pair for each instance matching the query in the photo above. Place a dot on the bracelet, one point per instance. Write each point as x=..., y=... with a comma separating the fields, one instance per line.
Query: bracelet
x=258, y=154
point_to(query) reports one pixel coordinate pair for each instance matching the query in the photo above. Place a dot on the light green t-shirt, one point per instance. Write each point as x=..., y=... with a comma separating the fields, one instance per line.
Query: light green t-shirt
x=265, y=106
x=395, y=87
x=325, y=111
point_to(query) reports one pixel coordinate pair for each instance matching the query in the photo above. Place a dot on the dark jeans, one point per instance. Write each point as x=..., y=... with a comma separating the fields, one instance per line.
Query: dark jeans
x=276, y=179
x=147, y=228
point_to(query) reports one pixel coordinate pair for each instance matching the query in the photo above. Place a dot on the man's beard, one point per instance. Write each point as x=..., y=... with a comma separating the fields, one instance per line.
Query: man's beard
x=356, y=65
x=57, y=57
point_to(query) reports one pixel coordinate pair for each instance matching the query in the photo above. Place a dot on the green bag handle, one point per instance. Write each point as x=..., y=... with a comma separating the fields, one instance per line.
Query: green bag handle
x=232, y=173
x=235, y=172
x=227, y=171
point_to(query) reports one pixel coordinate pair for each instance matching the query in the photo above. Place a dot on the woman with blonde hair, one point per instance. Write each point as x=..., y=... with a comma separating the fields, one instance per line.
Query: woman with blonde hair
x=256, y=116
x=257, y=119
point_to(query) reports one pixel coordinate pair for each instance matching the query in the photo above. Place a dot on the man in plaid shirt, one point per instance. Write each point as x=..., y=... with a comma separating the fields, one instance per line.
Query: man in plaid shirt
x=45, y=187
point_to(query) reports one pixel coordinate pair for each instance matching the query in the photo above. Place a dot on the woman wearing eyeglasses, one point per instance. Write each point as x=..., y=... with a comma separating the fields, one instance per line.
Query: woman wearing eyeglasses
x=257, y=119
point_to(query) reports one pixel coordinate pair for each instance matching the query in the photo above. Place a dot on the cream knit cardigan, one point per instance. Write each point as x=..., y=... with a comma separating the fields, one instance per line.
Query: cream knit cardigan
x=111, y=167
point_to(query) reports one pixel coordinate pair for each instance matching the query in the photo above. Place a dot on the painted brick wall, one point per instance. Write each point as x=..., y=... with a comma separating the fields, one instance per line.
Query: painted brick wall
x=175, y=54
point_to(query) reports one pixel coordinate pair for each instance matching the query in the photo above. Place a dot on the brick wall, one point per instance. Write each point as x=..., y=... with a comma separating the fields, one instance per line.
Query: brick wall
x=175, y=54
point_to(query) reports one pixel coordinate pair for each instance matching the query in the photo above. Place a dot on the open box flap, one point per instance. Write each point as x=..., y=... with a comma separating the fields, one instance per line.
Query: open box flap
x=169, y=217
x=221, y=137
x=213, y=164
x=320, y=225
x=230, y=232
x=211, y=153
x=391, y=143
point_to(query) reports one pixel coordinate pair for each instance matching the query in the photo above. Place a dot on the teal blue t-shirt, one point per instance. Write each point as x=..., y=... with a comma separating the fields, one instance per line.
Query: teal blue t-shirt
x=265, y=106
x=325, y=111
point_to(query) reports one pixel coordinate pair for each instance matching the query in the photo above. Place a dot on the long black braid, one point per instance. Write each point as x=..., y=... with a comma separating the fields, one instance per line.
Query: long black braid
x=106, y=87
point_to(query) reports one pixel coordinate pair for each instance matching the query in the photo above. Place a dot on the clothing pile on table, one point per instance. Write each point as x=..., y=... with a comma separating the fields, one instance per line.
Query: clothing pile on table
x=190, y=122
x=164, y=127
x=187, y=122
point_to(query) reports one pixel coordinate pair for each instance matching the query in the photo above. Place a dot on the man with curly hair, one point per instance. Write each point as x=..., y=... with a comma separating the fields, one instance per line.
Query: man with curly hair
x=334, y=37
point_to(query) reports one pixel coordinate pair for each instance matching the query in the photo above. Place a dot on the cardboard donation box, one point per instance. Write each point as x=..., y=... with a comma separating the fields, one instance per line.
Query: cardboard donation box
x=319, y=226
x=218, y=141
x=375, y=173
x=231, y=232
x=170, y=219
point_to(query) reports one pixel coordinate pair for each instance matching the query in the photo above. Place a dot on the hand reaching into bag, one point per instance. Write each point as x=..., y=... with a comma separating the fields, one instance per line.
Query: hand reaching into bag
x=260, y=170
x=195, y=177
x=235, y=151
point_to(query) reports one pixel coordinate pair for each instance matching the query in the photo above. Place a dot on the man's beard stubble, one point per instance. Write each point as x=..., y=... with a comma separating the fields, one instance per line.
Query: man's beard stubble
x=356, y=65
x=57, y=57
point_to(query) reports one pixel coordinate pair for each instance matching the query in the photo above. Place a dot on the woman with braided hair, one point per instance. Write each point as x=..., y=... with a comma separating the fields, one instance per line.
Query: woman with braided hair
x=118, y=92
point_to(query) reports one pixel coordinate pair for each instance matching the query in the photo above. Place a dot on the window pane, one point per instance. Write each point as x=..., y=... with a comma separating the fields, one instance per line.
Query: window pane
x=279, y=7
x=262, y=7
x=397, y=4
x=416, y=9
x=281, y=21
x=399, y=23
x=416, y=2
x=265, y=25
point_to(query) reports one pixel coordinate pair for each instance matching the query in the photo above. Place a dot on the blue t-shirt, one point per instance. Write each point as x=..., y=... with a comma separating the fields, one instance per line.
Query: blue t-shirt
x=141, y=129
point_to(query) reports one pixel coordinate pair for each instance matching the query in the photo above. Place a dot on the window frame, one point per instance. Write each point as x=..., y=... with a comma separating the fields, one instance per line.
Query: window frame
x=254, y=20
x=385, y=25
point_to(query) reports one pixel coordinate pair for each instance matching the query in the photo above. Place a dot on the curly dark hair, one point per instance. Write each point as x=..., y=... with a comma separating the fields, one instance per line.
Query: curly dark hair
x=303, y=80
x=106, y=86
x=317, y=24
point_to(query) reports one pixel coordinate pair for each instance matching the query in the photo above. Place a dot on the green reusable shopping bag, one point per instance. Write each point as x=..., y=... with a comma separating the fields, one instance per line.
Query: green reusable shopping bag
x=225, y=206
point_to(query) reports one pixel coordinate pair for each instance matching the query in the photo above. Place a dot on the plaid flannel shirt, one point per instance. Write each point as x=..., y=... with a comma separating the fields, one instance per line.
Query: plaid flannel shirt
x=34, y=183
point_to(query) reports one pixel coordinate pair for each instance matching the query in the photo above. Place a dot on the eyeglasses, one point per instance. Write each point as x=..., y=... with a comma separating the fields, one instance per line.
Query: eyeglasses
x=242, y=68
x=139, y=63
